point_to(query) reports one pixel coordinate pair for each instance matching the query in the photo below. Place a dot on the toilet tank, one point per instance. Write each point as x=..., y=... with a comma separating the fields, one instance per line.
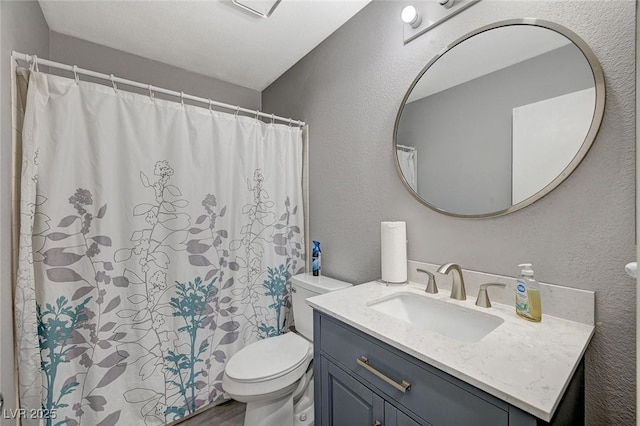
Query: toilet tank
x=305, y=286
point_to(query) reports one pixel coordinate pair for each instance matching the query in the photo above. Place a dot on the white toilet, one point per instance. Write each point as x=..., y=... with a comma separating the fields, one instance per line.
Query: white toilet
x=274, y=376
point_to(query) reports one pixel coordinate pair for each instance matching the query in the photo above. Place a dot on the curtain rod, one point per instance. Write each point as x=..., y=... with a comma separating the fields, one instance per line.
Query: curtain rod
x=32, y=59
x=405, y=148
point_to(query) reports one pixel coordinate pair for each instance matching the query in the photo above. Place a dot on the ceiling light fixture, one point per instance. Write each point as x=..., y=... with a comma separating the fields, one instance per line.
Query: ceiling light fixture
x=262, y=8
x=410, y=16
x=447, y=3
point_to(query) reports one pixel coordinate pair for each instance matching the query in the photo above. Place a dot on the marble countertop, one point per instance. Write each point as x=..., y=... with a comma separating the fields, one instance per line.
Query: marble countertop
x=526, y=364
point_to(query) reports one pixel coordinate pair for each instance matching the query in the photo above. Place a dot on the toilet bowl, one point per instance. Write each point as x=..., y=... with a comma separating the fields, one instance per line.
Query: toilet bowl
x=274, y=376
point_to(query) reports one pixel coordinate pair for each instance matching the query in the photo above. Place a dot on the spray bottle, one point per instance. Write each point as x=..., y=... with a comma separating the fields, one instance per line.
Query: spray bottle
x=316, y=258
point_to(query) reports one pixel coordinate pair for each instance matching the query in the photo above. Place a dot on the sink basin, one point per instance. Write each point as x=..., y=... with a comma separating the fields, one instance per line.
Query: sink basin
x=445, y=318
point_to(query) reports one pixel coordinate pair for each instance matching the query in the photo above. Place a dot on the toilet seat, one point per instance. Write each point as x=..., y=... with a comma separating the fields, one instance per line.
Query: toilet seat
x=269, y=359
x=267, y=367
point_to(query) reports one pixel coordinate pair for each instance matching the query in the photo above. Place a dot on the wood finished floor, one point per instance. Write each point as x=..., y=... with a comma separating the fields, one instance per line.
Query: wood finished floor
x=230, y=413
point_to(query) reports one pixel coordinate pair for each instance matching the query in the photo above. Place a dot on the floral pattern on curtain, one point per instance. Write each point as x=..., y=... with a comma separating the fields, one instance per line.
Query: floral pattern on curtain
x=157, y=239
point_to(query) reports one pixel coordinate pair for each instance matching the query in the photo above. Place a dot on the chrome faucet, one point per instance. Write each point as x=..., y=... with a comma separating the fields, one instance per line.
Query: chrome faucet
x=457, y=288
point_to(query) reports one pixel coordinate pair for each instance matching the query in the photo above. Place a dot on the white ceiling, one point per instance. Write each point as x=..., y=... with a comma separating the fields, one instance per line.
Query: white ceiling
x=485, y=53
x=212, y=37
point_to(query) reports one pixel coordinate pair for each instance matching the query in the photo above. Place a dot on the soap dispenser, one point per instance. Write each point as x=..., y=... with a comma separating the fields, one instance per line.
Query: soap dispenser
x=528, y=303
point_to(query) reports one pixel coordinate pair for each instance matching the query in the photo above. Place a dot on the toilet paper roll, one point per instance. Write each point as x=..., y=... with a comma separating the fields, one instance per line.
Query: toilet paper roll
x=393, y=244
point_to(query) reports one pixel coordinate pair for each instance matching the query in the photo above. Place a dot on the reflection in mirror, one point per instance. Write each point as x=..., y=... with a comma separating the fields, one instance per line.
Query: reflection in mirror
x=408, y=162
x=499, y=119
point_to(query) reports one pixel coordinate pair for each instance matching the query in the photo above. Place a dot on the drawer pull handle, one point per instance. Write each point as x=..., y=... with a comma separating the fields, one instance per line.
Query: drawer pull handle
x=403, y=386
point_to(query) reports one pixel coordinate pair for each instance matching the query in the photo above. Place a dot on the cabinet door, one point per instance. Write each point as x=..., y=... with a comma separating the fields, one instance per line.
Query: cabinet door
x=395, y=417
x=404, y=420
x=347, y=402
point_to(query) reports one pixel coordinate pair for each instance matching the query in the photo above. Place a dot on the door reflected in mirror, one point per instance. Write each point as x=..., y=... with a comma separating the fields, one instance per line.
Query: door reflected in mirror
x=499, y=119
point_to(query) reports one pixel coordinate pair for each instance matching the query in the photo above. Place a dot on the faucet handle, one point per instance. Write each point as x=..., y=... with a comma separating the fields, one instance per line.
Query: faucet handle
x=431, y=283
x=483, y=297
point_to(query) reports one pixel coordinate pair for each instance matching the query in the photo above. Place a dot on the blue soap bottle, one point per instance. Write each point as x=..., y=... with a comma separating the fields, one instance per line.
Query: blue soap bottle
x=316, y=258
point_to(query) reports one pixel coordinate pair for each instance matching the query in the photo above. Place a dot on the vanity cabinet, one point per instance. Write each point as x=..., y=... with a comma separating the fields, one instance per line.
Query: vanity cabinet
x=350, y=403
x=346, y=401
x=361, y=380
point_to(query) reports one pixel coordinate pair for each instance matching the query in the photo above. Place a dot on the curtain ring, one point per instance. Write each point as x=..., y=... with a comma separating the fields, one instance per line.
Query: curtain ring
x=151, y=95
x=290, y=123
x=113, y=82
x=237, y=111
x=273, y=119
x=75, y=74
x=210, y=101
x=257, y=112
x=35, y=63
x=182, y=99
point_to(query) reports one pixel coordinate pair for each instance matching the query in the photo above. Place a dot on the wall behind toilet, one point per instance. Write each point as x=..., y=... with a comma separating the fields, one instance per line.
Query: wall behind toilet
x=349, y=89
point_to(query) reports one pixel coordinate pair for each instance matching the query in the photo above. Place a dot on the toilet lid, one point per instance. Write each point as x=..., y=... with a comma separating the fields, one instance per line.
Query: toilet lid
x=269, y=358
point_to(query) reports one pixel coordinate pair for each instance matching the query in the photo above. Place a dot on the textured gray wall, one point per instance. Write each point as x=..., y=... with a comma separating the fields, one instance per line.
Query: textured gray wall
x=477, y=115
x=349, y=89
x=84, y=54
x=22, y=28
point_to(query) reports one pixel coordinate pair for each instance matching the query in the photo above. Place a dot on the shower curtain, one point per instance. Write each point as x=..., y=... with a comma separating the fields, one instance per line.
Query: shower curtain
x=156, y=240
x=408, y=160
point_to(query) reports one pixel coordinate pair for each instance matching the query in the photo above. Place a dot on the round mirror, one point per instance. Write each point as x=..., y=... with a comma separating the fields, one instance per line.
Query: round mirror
x=499, y=118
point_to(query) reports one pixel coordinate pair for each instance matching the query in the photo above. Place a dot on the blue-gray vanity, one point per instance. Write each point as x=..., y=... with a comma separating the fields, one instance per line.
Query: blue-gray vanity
x=373, y=369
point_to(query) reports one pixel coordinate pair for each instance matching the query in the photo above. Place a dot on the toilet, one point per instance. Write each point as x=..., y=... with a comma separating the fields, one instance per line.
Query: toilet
x=274, y=376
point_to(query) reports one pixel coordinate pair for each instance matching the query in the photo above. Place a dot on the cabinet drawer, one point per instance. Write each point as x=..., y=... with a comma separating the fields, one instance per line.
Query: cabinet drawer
x=432, y=394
